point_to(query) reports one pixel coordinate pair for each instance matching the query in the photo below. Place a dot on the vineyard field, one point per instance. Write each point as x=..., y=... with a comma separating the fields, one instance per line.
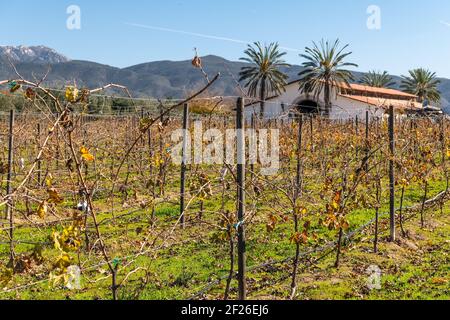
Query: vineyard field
x=102, y=193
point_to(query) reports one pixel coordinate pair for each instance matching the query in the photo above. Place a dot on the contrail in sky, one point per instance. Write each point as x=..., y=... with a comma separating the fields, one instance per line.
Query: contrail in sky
x=201, y=35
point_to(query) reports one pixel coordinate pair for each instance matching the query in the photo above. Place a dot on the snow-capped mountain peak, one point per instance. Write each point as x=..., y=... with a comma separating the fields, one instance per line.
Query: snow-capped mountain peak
x=34, y=54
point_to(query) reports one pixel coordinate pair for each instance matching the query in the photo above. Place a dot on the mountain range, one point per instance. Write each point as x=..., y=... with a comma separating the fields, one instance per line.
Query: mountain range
x=159, y=79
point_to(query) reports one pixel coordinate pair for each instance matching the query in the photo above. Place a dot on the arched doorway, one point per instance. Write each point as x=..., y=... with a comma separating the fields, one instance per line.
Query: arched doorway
x=308, y=107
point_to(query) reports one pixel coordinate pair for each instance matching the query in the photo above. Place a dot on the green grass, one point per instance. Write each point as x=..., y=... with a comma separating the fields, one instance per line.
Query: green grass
x=191, y=258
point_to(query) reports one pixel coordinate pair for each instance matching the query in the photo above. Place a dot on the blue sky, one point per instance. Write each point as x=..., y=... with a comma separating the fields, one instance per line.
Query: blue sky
x=413, y=33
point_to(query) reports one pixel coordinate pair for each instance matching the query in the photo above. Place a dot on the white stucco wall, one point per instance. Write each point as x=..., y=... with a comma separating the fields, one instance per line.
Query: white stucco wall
x=273, y=107
x=343, y=108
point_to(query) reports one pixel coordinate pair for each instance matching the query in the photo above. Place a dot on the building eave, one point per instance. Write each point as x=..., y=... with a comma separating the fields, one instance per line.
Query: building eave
x=390, y=94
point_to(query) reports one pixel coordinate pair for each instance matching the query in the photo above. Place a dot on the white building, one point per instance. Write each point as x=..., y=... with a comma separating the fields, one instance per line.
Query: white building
x=347, y=102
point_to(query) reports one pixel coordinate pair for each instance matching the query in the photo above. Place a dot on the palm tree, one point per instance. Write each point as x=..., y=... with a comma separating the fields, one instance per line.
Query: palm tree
x=423, y=83
x=324, y=69
x=264, y=76
x=378, y=79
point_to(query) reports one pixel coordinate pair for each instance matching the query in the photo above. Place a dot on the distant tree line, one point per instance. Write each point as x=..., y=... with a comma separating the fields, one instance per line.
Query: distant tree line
x=95, y=105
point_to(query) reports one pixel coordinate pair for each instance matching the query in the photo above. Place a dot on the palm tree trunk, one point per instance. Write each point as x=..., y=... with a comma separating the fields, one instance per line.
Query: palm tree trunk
x=262, y=97
x=327, y=99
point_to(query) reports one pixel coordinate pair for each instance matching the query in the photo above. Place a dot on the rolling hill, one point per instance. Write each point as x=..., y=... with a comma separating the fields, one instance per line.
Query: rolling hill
x=159, y=79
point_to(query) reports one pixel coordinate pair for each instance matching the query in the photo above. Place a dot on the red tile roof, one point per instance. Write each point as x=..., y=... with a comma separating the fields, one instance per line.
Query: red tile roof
x=357, y=92
x=385, y=103
x=381, y=91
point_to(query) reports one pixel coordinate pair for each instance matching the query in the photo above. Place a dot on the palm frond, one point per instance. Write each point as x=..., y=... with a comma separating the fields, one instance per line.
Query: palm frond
x=266, y=62
x=325, y=67
x=422, y=83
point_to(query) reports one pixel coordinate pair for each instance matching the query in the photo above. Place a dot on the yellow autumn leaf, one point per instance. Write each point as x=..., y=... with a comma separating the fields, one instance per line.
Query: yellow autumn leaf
x=403, y=183
x=144, y=124
x=439, y=281
x=14, y=88
x=6, y=275
x=42, y=210
x=49, y=180
x=448, y=153
x=335, y=205
x=71, y=94
x=295, y=238
x=301, y=211
x=55, y=238
x=54, y=196
x=344, y=224
x=299, y=238
x=54, y=279
x=86, y=155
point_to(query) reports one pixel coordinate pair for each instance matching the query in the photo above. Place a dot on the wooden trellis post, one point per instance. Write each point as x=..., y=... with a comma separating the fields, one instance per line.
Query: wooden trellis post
x=392, y=173
x=58, y=154
x=299, y=153
x=161, y=152
x=183, y=164
x=252, y=165
x=9, y=211
x=242, y=289
x=367, y=148
x=39, y=160
x=444, y=151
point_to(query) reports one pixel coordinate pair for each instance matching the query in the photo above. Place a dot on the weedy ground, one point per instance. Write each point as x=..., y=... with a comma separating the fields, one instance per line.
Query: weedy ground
x=194, y=262
x=414, y=267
